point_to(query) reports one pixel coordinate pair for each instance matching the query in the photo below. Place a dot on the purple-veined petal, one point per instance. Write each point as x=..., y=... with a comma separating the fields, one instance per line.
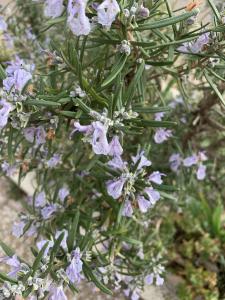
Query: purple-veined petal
x=156, y=177
x=127, y=209
x=53, y=8
x=115, y=187
x=99, y=142
x=162, y=135
x=107, y=12
x=201, y=172
x=143, y=204
x=117, y=163
x=190, y=160
x=153, y=195
x=115, y=148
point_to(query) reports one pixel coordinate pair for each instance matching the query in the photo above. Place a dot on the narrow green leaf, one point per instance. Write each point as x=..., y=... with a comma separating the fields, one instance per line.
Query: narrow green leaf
x=8, y=251
x=155, y=124
x=130, y=240
x=164, y=187
x=117, y=68
x=166, y=22
x=56, y=247
x=151, y=110
x=2, y=73
x=217, y=219
x=73, y=231
x=42, y=103
x=214, y=87
x=69, y=114
x=39, y=257
x=91, y=276
x=215, y=74
x=176, y=42
x=82, y=105
x=214, y=9
x=131, y=89
x=51, y=23
x=5, y=277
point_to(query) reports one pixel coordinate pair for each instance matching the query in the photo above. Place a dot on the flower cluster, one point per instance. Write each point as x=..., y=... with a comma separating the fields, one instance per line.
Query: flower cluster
x=194, y=160
x=18, y=75
x=77, y=20
x=125, y=184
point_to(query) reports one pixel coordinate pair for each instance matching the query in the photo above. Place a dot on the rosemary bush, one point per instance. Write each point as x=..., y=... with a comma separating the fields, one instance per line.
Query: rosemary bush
x=108, y=103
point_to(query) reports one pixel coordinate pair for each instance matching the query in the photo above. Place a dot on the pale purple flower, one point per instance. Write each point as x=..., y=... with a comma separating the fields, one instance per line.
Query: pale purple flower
x=190, y=160
x=143, y=161
x=202, y=156
x=159, y=280
x=202, y=40
x=135, y=295
x=196, y=46
x=53, y=8
x=8, y=83
x=4, y=113
x=75, y=267
x=40, y=200
x=29, y=134
x=87, y=129
x=96, y=134
x=57, y=293
x=159, y=116
x=18, y=228
x=64, y=240
x=156, y=177
x=143, y=204
x=99, y=142
x=185, y=48
x=77, y=20
x=32, y=230
x=117, y=163
x=161, y=135
x=126, y=292
x=41, y=244
x=54, y=160
x=149, y=279
x=143, y=12
x=15, y=265
x=153, y=195
x=48, y=211
x=115, y=187
x=115, y=148
x=18, y=75
x=175, y=161
x=127, y=209
x=14, y=66
x=3, y=24
x=21, y=78
x=63, y=193
x=40, y=135
x=8, y=169
x=201, y=172
x=107, y=12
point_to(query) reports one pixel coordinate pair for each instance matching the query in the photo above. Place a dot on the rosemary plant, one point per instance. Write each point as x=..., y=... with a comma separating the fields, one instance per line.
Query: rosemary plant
x=89, y=95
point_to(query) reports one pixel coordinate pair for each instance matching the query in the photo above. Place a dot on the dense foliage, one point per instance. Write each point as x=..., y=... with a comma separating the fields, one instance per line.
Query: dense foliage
x=118, y=108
